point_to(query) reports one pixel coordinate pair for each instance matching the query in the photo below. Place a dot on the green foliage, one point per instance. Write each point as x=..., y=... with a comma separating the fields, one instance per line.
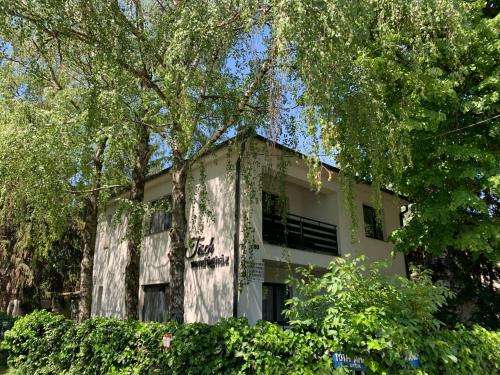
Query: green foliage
x=473, y=281
x=43, y=343
x=35, y=340
x=6, y=322
x=453, y=179
x=112, y=346
x=385, y=318
x=461, y=351
x=269, y=349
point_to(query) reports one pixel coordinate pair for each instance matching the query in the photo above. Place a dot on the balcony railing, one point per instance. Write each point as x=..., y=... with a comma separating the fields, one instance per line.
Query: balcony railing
x=299, y=232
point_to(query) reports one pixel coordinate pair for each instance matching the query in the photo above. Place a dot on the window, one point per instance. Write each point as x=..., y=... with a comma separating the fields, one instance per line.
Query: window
x=373, y=228
x=273, y=302
x=161, y=218
x=155, y=307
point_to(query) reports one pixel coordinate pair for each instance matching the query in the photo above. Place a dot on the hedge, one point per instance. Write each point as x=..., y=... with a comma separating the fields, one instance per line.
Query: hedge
x=6, y=322
x=44, y=343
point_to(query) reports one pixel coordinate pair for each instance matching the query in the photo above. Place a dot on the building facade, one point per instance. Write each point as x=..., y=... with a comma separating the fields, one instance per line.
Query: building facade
x=252, y=222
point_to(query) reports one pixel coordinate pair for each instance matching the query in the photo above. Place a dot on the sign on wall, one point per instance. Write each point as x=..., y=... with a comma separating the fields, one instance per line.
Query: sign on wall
x=201, y=255
x=257, y=273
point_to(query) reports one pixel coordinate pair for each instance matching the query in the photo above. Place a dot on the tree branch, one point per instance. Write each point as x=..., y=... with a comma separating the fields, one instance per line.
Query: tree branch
x=147, y=80
x=53, y=75
x=243, y=102
x=137, y=32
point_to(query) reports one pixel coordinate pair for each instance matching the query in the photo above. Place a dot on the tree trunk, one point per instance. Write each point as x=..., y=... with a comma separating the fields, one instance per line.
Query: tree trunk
x=178, y=242
x=87, y=262
x=7, y=240
x=134, y=223
x=89, y=234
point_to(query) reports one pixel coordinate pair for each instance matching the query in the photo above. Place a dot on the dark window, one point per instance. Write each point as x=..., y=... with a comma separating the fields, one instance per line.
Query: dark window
x=155, y=308
x=273, y=302
x=161, y=218
x=269, y=203
x=373, y=228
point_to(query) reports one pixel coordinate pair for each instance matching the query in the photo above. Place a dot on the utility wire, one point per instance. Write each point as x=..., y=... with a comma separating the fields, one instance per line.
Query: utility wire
x=465, y=127
x=433, y=136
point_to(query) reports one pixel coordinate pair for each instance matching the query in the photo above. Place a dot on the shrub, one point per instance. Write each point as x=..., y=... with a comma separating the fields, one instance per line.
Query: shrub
x=384, y=319
x=462, y=351
x=269, y=349
x=35, y=340
x=6, y=322
x=351, y=309
x=43, y=343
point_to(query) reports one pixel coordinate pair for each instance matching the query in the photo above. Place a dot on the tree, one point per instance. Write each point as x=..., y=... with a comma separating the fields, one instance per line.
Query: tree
x=415, y=109
x=55, y=136
x=453, y=179
x=360, y=74
x=179, y=53
x=141, y=157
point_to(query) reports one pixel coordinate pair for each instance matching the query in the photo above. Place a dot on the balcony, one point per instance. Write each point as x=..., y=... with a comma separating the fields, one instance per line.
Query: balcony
x=299, y=232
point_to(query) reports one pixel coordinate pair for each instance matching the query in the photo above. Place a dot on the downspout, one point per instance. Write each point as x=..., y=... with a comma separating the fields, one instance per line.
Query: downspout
x=401, y=218
x=236, y=255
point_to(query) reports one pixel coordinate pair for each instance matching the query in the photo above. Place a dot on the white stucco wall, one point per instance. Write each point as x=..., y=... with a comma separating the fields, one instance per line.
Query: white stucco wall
x=109, y=267
x=208, y=292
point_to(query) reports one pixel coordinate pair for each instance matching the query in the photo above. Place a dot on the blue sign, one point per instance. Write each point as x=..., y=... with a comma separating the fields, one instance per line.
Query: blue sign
x=340, y=360
x=357, y=364
x=412, y=361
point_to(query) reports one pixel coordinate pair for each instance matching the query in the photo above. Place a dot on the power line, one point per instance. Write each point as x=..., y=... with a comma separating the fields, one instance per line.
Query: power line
x=465, y=127
x=433, y=136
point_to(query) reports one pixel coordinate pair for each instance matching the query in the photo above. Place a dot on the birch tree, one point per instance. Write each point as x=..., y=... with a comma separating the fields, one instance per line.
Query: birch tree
x=55, y=134
x=191, y=61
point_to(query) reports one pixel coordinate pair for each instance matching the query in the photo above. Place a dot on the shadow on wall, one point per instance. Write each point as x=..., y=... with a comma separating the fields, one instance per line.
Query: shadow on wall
x=109, y=270
x=209, y=291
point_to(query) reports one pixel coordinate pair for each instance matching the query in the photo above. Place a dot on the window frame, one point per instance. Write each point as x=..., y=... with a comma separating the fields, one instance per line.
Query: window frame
x=378, y=226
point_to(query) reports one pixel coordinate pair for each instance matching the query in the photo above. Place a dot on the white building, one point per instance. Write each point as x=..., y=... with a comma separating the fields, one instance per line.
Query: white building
x=242, y=228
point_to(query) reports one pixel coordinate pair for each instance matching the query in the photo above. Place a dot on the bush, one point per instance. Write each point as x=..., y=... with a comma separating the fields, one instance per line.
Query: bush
x=112, y=346
x=6, y=322
x=462, y=351
x=383, y=319
x=352, y=309
x=43, y=343
x=35, y=341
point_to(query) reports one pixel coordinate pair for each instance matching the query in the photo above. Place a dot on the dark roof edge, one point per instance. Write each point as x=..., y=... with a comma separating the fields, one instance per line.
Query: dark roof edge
x=282, y=148
x=326, y=165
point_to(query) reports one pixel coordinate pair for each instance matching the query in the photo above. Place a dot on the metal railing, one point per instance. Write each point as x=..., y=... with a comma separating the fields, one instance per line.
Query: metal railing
x=298, y=232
